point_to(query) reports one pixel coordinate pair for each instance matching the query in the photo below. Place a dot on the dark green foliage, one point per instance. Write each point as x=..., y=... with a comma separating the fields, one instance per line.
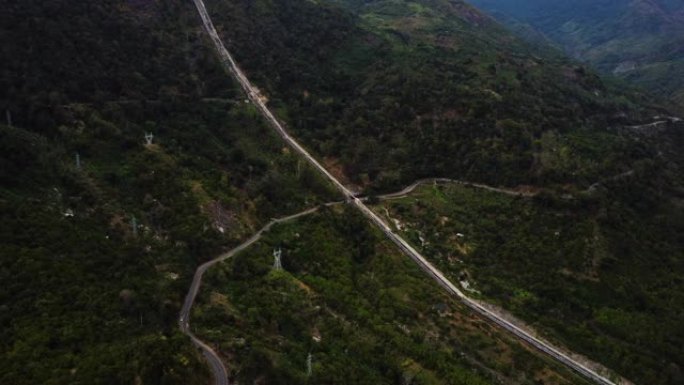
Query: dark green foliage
x=640, y=41
x=389, y=90
x=86, y=299
x=380, y=319
x=434, y=88
x=601, y=273
x=427, y=88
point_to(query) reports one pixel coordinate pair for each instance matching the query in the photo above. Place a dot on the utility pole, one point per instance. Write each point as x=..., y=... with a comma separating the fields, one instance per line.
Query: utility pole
x=277, y=262
x=8, y=114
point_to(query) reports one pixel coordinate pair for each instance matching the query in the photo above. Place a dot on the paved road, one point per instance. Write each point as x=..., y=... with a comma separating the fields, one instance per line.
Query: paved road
x=478, y=307
x=219, y=371
x=481, y=308
x=668, y=119
x=596, y=185
x=409, y=189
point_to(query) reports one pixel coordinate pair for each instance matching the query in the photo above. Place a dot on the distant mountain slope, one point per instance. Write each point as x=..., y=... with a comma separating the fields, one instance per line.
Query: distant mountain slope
x=393, y=91
x=639, y=40
x=386, y=92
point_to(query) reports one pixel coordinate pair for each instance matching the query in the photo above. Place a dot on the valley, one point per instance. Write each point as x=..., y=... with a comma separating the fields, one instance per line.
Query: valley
x=639, y=41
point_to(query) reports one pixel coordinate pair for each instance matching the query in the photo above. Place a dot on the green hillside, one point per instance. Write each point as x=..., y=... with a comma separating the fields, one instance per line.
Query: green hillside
x=95, y=260
x=639, y=41
x=399, y=90
x=601, y=275
x=101, y=231
x=393, y=91
x=365, y=313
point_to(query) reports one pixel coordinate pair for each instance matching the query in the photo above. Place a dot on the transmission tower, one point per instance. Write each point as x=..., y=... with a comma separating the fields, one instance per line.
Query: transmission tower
x=148, y=138
x=134, y=225
x=309, y=358
x=277, y=262
x=78, y=161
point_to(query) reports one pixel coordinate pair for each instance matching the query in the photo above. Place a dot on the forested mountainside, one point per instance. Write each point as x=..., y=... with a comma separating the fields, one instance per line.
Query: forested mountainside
x=641, y=41
x=398, y=90
x=391, y=91
x=101, y=231
x=348, y=307
x=96, y=258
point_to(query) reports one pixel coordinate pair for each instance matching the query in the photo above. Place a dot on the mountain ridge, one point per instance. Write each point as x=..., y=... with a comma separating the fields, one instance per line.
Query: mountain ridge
x=638, y=40
x=101, y=230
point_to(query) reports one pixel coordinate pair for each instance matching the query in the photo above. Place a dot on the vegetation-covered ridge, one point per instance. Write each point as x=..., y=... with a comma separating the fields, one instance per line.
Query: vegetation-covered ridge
x=389, y=92
x=359, y=309
x=638, y=40
x=101, y=232
x=601, y=278
x=548, y=121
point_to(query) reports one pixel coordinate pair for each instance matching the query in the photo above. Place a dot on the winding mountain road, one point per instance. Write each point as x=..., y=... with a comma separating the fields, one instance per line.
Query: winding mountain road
x=218, y=369
x=220, y=373
x=409, y=189
x=477, y=306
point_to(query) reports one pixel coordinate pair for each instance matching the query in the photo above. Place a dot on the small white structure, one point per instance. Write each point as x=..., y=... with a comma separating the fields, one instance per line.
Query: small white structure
x=277, y=261
x=149, y=137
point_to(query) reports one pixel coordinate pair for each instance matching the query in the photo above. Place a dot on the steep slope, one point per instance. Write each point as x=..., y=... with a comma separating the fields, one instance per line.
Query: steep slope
x=394, y=91
x=349, y=307
x=602, y=278
x=638, y=40
x=100, y=232
x=514, y=118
